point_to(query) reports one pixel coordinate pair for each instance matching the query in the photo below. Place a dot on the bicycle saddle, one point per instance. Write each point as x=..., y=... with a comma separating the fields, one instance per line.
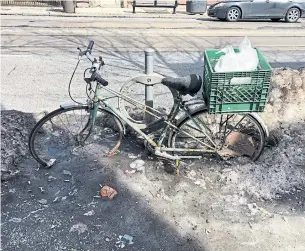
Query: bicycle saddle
x=190, y=84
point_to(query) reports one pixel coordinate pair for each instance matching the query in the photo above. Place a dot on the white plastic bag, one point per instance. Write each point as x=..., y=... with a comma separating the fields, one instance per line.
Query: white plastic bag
x=245, y=60
x=247, y=56
x=228, y=62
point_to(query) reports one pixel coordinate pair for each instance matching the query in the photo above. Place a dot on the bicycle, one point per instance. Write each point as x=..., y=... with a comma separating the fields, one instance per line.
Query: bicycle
x=188, y=131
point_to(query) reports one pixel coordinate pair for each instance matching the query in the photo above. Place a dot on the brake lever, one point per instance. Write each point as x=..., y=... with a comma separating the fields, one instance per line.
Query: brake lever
x=102, y=63
x=80, y=54
x=88, y=57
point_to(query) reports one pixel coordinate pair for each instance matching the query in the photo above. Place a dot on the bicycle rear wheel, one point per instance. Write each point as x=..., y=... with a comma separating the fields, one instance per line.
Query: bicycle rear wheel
x=229, y=135
x=67, y=134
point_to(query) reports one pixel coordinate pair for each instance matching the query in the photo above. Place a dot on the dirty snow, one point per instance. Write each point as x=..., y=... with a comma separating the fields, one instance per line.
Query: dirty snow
x=280, y=170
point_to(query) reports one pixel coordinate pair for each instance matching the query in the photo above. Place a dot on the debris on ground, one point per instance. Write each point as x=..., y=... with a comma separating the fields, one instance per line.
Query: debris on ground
x=50, y=178
x=80, y=228
x=130, y=172
x=90, y=213
x=108, y=192
x=138, y=165
x=43, y=201
x=42, y=190
x=124, y=240
x=15, y=220
x=66, y=172
x=56, y=199
x=131, y=156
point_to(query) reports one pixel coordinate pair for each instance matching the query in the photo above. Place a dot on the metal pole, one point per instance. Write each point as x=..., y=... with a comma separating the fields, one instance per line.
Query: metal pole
x=149, y=69
x=134, y=6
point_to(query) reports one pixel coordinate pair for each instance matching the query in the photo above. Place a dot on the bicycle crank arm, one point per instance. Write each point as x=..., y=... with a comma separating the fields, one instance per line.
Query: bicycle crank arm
x=190, y=157
x=166, y=155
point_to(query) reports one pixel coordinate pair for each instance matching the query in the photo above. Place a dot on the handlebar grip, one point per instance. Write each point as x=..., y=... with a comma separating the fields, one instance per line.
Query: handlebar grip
x=90, y=46
x=97, y=77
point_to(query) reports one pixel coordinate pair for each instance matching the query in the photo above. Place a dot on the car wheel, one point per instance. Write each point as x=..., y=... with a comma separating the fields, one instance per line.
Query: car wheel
x=275, y=19
x=293, y=15
x=233, y=14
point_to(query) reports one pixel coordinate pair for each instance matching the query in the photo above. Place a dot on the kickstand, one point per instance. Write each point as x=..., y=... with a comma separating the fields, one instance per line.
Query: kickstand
x=177, y=164
x=145, y=153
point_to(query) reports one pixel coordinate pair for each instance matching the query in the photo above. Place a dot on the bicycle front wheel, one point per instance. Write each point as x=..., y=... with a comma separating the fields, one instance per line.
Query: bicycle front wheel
x=67, y=133
x=227, y=135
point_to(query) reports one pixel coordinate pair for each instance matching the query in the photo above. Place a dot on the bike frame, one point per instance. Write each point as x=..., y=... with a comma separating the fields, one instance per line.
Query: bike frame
x=98, y=99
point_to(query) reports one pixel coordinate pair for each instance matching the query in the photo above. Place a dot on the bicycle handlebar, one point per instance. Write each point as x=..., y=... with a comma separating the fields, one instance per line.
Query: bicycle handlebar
x=98, y=78
x=90, y=46
x=96, y=65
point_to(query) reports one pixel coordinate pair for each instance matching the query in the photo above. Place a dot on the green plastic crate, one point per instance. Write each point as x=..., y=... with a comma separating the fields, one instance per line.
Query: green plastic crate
x=235, y=92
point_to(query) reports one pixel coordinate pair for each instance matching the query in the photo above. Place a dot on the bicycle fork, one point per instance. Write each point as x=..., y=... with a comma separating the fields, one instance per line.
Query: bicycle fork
x=92, y=117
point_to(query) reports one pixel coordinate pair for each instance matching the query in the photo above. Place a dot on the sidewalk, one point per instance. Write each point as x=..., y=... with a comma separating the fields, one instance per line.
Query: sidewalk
x=100, y=12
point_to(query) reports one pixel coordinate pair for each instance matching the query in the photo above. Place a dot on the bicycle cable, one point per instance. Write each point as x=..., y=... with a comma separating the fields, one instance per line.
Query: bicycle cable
x=69, y=88
x=90, y=85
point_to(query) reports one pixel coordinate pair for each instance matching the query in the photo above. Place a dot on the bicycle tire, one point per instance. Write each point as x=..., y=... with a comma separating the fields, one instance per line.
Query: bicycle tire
x=257, y=138
x=51, y=139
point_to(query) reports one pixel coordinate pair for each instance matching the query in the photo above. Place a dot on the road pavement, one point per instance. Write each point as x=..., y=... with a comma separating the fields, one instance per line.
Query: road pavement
x=39, y=53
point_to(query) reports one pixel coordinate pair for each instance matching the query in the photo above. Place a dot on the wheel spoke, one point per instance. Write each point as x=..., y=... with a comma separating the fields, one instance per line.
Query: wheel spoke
x=234, y=135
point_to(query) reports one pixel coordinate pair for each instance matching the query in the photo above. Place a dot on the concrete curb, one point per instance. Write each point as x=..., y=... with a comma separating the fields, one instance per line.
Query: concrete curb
x=100, y=14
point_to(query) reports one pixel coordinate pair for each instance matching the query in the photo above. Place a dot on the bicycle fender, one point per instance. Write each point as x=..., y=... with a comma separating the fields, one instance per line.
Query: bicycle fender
x=193, y=108
x=70, y=105
x=261, y=121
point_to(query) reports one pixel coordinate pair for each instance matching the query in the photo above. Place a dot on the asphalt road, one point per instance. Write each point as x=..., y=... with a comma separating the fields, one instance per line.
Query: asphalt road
x=41, y=34
x=39, y=53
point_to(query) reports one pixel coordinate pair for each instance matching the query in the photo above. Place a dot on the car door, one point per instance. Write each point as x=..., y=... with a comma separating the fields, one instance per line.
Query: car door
x=261, y=8
x=245, y=6
x=279, y=8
